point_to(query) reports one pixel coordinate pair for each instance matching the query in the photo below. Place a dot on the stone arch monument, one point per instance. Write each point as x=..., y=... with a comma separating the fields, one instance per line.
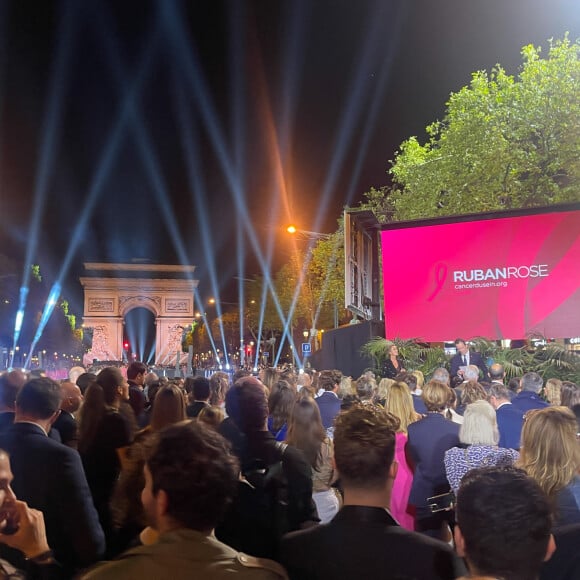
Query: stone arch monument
x=112, y=290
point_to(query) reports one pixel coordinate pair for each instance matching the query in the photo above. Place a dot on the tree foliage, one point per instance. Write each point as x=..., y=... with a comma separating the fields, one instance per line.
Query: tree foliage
x=318, y=273
x=505, y=142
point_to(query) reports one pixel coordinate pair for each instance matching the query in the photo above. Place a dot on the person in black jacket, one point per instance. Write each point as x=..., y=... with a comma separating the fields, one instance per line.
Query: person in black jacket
x=49, y=476
x=394, y=364
x=22, y=528
x=465, y=357
x=247, y=407
x=199, y=396
x=363, y=540
x=503, y=524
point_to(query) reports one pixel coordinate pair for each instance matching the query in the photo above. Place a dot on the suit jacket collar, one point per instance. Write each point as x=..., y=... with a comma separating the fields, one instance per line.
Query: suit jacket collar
x=528, y=395
x=27, y=427
x=352, y=514
x=434, y=416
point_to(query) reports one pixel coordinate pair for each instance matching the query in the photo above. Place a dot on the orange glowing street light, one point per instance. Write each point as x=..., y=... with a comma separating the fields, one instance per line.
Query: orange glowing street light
x=291, y=229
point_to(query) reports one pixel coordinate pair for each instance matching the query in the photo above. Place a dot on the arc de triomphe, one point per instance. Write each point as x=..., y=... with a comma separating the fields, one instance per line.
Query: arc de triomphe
x=112, y=290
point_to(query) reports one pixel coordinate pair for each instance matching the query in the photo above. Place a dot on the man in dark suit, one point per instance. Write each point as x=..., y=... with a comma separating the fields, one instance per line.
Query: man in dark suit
x=363, y=540
x=49, y=476
x=509, y=419
x=200, y=395
x=529, y=396
x=327, y=398
x=565, y=562
x=10, y=383
x=465, y=357
x=66, y=424
x=429, y=439
x=136, y=372
x=503, y=524
x=411, y=381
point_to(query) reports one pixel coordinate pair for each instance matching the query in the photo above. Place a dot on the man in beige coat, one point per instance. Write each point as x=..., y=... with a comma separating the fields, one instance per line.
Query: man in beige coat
x=190, y=478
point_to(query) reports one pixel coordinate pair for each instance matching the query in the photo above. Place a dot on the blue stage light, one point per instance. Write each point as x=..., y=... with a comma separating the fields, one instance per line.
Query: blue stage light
x=51, y=302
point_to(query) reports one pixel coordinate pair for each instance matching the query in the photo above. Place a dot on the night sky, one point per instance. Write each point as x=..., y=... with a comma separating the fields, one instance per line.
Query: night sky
x=118, y=114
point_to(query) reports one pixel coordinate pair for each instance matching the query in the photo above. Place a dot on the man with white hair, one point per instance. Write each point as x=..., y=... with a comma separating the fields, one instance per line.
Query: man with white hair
x=529, y=397
x=471, y=374
x=509, y=418
x=66, y=423
x=441, y=375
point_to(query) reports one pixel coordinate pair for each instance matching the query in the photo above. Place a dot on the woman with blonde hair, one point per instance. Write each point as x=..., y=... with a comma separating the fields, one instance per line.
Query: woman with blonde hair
x=345, y=387
x=211, y=416
x=479, y=436
x=553, y=392
x=219, y=383
x=394, y=364
x=382, y=391
x=471, y=392
x=550, y=453
x=269, y=377
x=420, y=379
x=399, y=403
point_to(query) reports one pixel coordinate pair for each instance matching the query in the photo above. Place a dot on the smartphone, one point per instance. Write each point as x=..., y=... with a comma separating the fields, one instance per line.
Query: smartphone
x=440, y=503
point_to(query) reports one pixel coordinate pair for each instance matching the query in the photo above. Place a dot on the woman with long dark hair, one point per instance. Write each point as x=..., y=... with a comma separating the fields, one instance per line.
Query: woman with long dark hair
x=168, y=408
x=306, y=432
x=104, y=435
x=280, y=403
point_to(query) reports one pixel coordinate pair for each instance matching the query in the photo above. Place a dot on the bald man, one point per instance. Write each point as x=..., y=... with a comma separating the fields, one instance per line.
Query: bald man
x=66, y=424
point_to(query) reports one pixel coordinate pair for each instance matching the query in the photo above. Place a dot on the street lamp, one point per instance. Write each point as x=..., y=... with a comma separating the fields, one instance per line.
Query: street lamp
x=309, y=235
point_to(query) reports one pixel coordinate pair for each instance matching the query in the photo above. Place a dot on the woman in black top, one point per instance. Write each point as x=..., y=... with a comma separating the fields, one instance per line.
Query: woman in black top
x=104, y=435
x=394, y=363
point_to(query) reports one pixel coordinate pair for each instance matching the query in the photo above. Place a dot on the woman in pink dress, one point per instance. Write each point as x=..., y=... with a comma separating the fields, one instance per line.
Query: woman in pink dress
x=400, y=404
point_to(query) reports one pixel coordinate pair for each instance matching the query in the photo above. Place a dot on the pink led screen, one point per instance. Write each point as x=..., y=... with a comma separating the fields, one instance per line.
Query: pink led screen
x=506, y=277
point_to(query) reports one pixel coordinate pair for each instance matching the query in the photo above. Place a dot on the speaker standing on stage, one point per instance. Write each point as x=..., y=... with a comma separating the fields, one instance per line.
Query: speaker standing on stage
x=394, y=364
x=466, y=357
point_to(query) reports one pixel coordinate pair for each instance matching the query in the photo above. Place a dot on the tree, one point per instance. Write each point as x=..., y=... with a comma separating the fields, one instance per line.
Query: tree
x=318, y=273
x=380, y=202
x=504, y=143
x=327, y=270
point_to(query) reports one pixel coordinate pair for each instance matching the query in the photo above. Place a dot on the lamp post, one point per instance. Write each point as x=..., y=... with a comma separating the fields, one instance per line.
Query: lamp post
x=309, y=235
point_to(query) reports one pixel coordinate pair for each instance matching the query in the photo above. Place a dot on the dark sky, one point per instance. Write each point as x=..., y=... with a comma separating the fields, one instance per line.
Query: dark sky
x=115, y=116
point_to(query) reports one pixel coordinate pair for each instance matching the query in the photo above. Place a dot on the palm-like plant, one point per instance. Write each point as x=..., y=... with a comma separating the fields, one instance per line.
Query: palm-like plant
x=551, y=360
x=554, y=360
x=417, y=356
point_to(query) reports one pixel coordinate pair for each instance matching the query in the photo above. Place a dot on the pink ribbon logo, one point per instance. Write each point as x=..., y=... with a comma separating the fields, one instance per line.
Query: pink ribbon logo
x=440, y=277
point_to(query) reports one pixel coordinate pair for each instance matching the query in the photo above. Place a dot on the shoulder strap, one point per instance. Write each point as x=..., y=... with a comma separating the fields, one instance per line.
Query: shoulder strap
x=263, y=563
x=281, y=447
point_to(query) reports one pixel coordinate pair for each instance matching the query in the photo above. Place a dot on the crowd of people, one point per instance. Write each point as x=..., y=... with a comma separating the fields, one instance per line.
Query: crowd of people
x=309, y=475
